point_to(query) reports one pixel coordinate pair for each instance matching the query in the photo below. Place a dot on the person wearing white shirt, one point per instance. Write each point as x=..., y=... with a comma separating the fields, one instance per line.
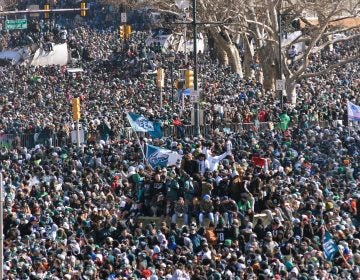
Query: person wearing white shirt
x=214, y=160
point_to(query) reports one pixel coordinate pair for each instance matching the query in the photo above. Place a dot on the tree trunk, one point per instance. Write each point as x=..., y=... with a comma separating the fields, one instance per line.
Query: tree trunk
x=228, y=53
x=268, y=66
x=248, y=58
x=212, y=47
x=259, y=76
x=216, y=51
x=234, y=59
x=222, y=56
x=291, y=94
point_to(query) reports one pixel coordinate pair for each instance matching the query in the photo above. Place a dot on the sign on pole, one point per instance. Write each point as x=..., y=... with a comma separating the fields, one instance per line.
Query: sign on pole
x=280, y=85
x=16, y=24
x=31, y=8
x=194, y=96
x=123, y=18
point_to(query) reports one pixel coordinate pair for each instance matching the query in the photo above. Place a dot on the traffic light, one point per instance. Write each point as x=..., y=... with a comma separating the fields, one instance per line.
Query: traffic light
x=160, y=77
x=122, y=31
x=83, y=9
x=46, y=8
x=125, y=31
x=128, y=31
x=76, y=108
x=189, y=78
x=180, y=84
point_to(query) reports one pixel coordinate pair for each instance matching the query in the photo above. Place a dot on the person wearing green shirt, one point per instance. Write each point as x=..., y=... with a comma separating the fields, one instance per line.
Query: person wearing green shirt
x=284, y=121
x=244, y=207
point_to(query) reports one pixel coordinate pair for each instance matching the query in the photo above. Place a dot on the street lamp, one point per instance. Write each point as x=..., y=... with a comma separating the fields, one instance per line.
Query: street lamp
x=171, y=59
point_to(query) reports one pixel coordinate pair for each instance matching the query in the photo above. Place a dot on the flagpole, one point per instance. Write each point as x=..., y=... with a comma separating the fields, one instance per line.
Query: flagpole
x=141, y=147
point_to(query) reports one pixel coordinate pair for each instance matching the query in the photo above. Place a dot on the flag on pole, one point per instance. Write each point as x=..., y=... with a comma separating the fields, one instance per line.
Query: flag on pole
x=329, y=246
x=353, y=112
x=157, y=156
x=142, y=124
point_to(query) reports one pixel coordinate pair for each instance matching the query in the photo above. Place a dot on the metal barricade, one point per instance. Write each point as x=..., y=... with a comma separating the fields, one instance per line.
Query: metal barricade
x=6, y=140
x=30, y=140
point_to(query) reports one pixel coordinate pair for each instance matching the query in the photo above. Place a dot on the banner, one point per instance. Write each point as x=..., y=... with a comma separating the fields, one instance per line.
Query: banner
x=156, y=156
x=142, y=124
x=329, y=246
x=260, y=162
x=353, y=111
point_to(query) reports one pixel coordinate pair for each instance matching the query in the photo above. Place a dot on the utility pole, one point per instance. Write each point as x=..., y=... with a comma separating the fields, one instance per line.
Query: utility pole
x=185, y=40
x=196, y=104
x=280, y=59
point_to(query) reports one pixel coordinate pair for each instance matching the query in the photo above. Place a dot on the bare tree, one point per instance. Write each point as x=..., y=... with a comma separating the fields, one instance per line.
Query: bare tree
x=207, y=11
x=257, y=21
x=7, y=4
x=328, y=18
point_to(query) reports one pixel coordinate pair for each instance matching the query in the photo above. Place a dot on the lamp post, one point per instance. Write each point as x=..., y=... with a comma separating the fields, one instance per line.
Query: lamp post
x=171, y=59
x=196, y=104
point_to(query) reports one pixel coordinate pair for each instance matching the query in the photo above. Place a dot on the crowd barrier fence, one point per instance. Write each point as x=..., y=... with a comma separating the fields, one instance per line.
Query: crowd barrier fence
x=31, y=140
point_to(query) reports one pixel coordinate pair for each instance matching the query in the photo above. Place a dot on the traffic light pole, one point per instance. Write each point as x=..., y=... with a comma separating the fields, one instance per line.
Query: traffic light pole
x=42, y=11
x=172, y=85
x=78, y=133
x=280, y=59
x=196, y=104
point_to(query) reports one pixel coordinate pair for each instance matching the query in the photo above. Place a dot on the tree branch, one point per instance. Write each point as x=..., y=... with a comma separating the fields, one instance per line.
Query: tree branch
x=317, y=49
x=329, y=68
x=268, y=28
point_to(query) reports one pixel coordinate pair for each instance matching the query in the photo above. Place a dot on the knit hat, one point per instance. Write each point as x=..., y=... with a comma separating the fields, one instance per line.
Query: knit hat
x=206, y=197
x=329, y=206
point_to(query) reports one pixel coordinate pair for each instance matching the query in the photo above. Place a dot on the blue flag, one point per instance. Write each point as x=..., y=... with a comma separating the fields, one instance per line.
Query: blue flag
x=329, y=246
x=142, y=124
x=157, y=156
x=353, y=112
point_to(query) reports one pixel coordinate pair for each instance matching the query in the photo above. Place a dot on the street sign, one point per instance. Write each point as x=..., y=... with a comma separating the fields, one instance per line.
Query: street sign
x=194, y=96
x=16, y=24
x=123, y=18
x=280, y=85
x=32, y=8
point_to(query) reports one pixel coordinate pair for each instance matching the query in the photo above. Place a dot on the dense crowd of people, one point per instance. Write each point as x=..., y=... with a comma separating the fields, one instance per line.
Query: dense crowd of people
x=275, y=203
